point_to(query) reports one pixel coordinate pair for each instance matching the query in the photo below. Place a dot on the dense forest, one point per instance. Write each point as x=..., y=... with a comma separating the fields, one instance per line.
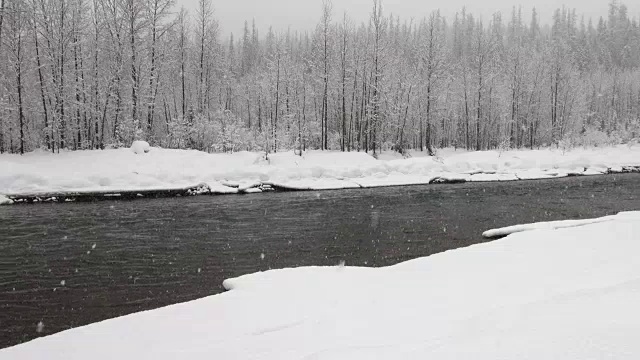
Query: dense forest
x=95, y=74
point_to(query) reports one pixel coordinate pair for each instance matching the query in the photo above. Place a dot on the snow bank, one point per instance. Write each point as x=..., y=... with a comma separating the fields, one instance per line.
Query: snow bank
x=123, y=169
x=5, y=200
x=569, y=293
x=543, y=226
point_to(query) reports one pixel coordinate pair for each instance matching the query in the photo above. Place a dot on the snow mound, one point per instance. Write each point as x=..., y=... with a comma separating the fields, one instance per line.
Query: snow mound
x=563, y=293
x=140, y=147
x=5, y=200
x=546, y=225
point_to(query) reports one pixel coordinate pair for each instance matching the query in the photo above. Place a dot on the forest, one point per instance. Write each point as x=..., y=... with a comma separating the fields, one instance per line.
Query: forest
x=98, y=74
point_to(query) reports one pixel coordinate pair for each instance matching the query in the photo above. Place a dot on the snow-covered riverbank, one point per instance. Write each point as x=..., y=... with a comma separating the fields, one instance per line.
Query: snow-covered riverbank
x=547, y=293
x=122, y=169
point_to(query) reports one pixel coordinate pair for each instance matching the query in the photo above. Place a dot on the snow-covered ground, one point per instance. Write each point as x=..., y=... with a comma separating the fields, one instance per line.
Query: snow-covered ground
x=5, y=200
x=137, y=169
x=565, y=293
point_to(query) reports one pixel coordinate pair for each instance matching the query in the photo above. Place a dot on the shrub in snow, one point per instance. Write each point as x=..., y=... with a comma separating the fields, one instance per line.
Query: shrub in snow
x=565, y=145
x=140, y=147
x=596, y=138
x=504, y=145
x=221, y=131
x=592, y=137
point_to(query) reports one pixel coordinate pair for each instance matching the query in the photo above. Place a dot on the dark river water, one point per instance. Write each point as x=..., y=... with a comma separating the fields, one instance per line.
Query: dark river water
x=72, y=264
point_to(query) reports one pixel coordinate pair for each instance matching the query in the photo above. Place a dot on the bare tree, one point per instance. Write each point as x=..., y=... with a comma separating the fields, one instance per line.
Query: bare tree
x=17, y=23
x=157, y=10
x=133, y=12
x=378, y=25
x=327, y=9
x=205, y=32
x=434, y=61
x=115, y=25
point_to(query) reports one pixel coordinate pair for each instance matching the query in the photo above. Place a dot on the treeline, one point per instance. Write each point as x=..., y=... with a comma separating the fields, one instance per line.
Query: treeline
x=92, y=74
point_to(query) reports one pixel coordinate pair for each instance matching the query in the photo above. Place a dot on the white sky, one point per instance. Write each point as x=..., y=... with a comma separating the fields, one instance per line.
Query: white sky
x=305, y=14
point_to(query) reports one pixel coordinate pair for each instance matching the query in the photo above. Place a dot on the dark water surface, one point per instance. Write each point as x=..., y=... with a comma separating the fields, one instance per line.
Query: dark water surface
x=72, y=264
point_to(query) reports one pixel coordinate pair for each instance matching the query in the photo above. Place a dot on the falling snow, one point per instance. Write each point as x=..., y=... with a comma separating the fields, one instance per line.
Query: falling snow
x=40, y=327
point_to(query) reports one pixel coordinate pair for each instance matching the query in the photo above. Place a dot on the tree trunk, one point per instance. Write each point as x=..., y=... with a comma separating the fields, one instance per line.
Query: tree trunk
x=19, y=88
x=42, y=84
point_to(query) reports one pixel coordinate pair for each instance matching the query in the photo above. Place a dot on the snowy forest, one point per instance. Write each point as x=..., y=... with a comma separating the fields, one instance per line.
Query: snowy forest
x=96, y=74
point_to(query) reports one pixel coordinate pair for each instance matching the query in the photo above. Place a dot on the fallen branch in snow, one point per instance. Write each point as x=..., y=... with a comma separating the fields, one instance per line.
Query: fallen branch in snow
x=445, y=180
x=285, y=188
x=624, y=170
x=89, y=195
x=249, y=187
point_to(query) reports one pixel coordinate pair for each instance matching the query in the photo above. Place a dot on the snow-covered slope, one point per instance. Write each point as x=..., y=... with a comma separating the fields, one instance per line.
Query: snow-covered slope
x=569, y=293
x=5, y=200
x=134, y=169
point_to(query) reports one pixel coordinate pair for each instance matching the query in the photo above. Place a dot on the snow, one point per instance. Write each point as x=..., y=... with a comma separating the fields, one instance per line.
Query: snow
x=133, y=169
x=561, y=224
x=140, y=147
x=552, y=293
x=5, y=200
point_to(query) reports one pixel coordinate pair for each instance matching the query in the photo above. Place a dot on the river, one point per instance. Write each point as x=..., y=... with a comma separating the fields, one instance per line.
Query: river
x=71, y=264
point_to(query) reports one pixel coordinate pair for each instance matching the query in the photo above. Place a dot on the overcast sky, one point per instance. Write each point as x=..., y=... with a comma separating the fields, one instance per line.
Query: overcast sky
x=304, y=14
